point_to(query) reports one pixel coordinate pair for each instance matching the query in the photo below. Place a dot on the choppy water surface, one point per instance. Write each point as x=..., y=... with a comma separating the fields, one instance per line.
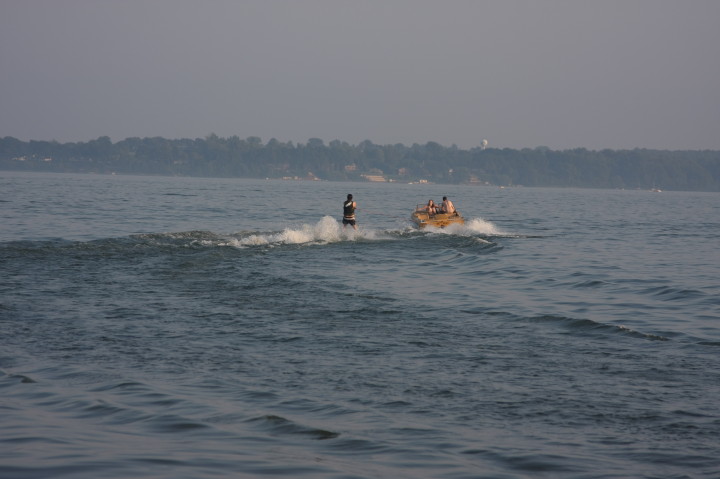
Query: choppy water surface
x=192, y=328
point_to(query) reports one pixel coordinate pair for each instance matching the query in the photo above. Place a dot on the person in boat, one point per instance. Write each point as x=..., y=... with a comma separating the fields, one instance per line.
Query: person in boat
x=349, y=207
x=447, y=206
x=431, y=207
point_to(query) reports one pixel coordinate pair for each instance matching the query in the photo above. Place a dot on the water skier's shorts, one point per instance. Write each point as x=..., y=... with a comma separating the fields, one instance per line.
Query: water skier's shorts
x=349, y=221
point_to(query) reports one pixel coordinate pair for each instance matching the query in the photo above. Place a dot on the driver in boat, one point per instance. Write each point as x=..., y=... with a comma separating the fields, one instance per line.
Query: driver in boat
x=447, y=206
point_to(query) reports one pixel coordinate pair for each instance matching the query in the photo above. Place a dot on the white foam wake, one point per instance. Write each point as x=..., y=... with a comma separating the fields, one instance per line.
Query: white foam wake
x=327, y=230
x=480, y=226
x=473, y=227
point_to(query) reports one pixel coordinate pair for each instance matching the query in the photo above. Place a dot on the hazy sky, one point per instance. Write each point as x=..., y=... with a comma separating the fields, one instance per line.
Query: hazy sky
x=520, y=73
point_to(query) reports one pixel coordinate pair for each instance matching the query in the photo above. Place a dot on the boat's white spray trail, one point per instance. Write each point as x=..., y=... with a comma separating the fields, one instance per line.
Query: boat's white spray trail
x=473, y=227
x=327, y=230
x=330, y=230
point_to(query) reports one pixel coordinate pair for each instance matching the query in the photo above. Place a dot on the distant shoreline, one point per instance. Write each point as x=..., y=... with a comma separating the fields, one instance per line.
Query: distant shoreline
x=215, y=157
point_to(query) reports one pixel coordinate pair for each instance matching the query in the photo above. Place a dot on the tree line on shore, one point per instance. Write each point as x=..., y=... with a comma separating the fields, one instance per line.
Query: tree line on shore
x=213, y=156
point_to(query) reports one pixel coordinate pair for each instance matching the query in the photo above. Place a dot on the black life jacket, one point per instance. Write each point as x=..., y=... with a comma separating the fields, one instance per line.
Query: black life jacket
x=348, y=209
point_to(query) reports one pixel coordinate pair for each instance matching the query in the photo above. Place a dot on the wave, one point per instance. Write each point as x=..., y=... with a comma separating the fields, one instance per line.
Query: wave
x=280, y=425
x=668, y=293
x=327, y=230
x=474, y=226
x=581, y=325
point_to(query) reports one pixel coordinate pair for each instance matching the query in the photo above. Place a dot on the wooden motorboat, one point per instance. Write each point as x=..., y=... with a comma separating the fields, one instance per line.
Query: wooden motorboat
x=438, y=220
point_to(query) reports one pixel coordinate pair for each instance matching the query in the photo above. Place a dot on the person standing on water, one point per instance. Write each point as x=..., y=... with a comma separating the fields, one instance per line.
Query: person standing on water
x=349, y=212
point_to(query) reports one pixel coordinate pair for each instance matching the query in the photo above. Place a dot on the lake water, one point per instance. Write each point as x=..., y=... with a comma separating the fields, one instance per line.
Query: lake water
x=222, y=328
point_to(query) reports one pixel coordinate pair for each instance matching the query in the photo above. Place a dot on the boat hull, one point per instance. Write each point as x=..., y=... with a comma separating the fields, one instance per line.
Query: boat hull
x=440, y=220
